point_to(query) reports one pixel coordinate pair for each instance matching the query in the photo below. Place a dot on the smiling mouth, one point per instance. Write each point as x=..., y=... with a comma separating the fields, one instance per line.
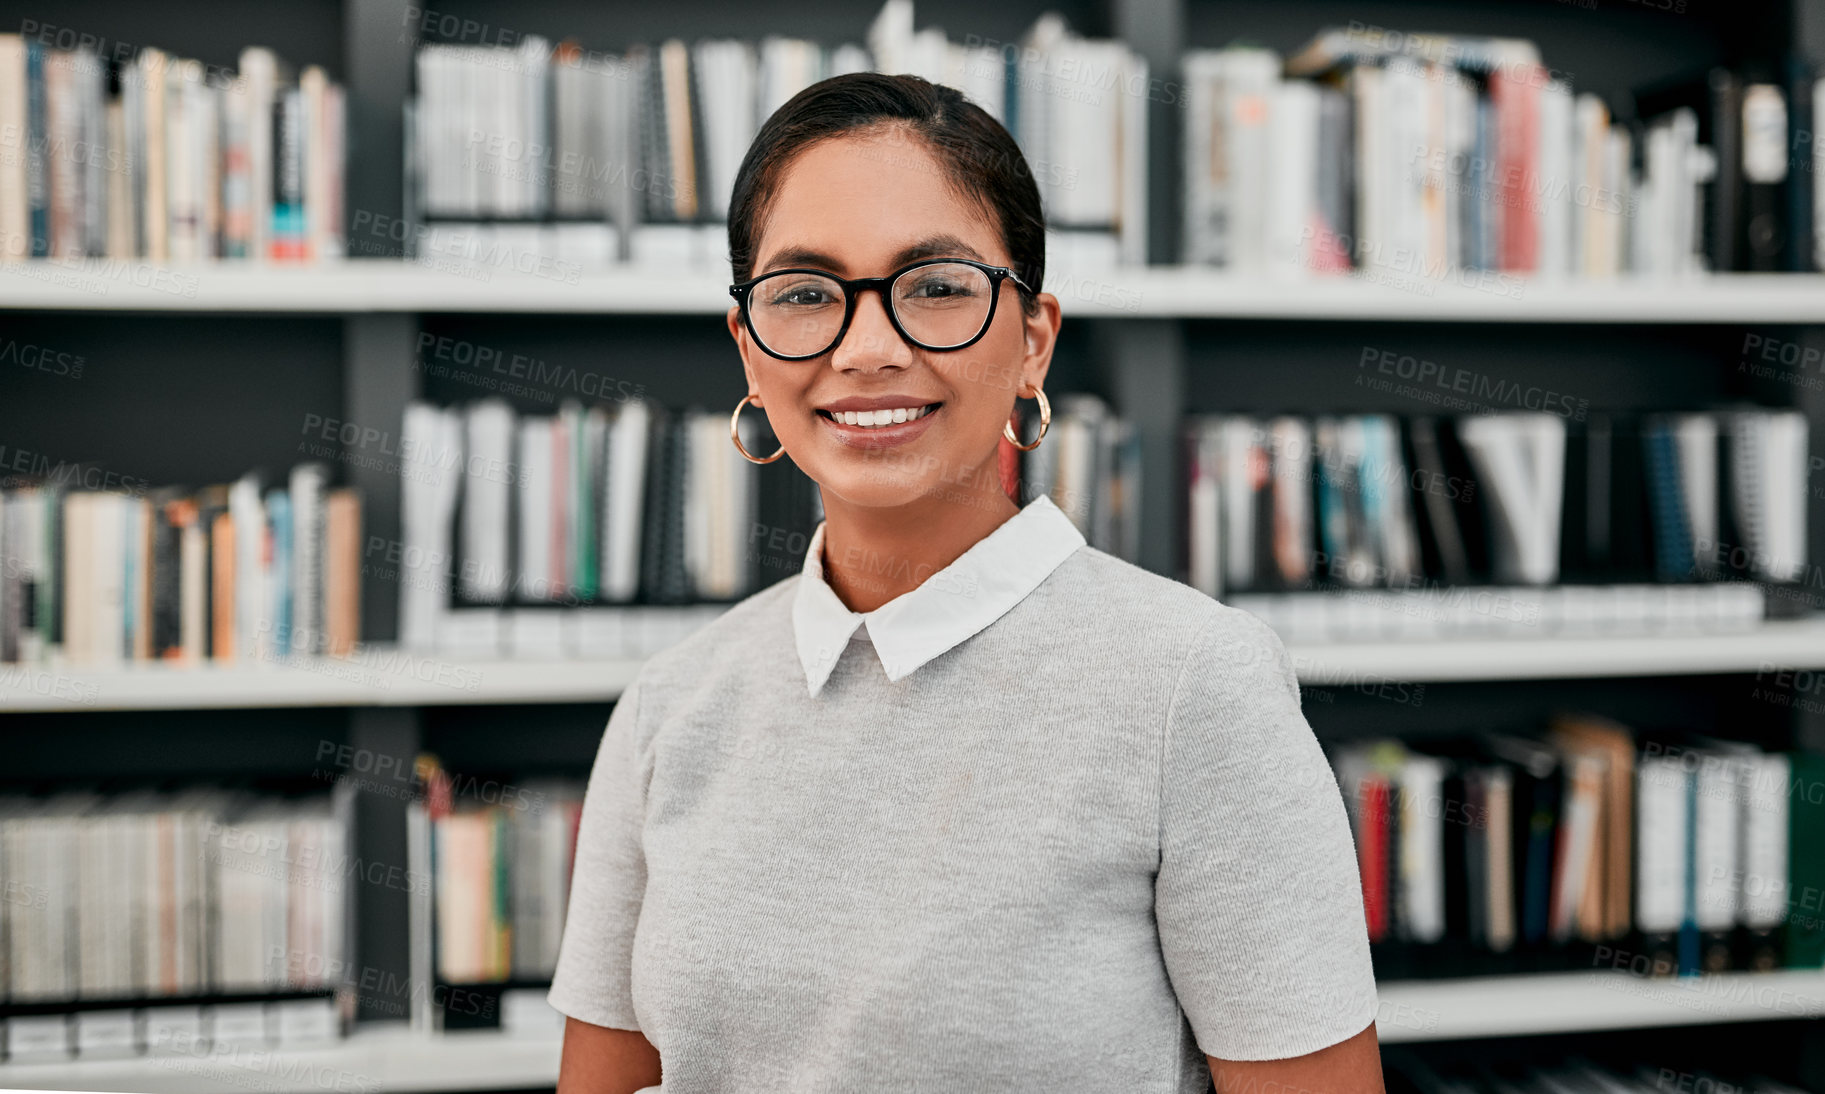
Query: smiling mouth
x=875, y=419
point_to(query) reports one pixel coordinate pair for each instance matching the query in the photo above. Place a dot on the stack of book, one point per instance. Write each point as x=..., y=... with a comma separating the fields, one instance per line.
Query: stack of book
x=647, y=144
x=1764, y=210
x=230, y=572
x=185, y=163
x=1421, y=158
x=1506, y=852
x=622, y=505
x=1523, y=500
x=499, y=866
x=644, y=522
x=151, y=897
x=1089, y=464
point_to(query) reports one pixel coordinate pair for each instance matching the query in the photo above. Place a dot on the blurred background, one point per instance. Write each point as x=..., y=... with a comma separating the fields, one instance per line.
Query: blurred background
x=362, y=430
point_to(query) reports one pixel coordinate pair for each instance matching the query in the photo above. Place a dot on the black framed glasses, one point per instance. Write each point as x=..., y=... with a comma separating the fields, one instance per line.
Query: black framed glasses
x=938, y=304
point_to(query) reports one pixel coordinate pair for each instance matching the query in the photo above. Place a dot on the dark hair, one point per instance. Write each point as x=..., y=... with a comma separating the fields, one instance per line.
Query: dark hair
x=980, y=159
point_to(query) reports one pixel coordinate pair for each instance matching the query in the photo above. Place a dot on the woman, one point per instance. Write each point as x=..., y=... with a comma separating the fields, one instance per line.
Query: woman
x=967, y=804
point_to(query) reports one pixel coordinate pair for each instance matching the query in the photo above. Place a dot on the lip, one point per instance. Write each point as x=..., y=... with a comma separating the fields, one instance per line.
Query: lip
x=877, y=402
x=880, y=436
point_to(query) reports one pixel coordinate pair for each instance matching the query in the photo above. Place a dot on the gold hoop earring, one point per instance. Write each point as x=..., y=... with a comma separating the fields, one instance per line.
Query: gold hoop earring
x=735, y=434
x=1045, y=422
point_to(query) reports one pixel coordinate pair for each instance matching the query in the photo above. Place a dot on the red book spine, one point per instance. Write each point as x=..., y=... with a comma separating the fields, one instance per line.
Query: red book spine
x=1373, y=849
x=1514, y=89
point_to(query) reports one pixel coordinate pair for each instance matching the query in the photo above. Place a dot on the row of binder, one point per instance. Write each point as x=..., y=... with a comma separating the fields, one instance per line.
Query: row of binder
x=1689, y=849
x=657, y=134
x=166, y=158
x=249, y=570
x=1528, y=498
x=174, y=894
x=614, y=510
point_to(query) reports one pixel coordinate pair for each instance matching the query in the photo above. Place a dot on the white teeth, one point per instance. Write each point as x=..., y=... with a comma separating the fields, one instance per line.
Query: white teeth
x=875, y=418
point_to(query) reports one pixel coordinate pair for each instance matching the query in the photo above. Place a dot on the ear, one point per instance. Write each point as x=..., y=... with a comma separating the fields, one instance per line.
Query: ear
x=1040, y=331
x=744, y=346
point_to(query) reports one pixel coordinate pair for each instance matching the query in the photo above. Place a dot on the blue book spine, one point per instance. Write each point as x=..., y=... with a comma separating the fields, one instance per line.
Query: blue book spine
x=1674, y=559
x=130, y=586
x=37, y=142
x=279, y=523
x=1688, y=925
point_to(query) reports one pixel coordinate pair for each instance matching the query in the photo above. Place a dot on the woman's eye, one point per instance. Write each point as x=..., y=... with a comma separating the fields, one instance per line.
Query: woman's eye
x=937, y=288
x=801, y=296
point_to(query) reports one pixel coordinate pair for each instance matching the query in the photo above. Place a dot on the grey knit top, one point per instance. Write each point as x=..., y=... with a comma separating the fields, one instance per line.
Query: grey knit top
x=1066, y=829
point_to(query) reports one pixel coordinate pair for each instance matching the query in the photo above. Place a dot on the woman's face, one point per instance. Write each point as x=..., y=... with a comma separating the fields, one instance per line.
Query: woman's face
x=864, y=206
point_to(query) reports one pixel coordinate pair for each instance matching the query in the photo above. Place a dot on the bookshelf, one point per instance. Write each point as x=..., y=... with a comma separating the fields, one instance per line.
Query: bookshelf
x=388, y=677
x=1159, y=341
x=384, y=286
x=397, y=1062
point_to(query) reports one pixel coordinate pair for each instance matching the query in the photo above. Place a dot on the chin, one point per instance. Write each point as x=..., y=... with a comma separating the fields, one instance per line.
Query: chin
x=880, y=486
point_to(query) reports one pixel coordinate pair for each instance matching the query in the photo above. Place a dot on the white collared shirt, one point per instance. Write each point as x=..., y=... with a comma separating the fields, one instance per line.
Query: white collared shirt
x=984, y=582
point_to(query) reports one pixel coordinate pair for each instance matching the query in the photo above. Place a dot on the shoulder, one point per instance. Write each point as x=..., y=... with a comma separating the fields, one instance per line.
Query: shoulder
x=1119, y=600
x=759, y=625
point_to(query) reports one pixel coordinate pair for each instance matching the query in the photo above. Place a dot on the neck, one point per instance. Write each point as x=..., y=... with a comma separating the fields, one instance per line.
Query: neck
x=874, y=554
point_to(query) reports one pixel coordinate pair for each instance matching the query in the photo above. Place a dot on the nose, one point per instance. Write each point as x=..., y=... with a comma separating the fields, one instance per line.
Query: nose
x=871, y=342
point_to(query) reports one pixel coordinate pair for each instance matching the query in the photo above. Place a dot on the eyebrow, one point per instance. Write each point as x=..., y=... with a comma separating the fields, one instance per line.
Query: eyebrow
x=929, y=247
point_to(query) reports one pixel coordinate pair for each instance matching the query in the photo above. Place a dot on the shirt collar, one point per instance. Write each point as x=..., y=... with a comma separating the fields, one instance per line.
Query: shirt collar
x=984, y=582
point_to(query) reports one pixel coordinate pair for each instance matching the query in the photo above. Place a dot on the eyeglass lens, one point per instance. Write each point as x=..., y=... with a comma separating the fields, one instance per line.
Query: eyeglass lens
x=939, y=306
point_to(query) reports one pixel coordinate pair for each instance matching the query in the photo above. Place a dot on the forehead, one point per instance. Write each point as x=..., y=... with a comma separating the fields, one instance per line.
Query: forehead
x=862, y=200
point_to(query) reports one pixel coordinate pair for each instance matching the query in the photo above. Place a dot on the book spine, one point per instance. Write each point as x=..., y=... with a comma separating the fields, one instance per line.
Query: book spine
x=287, y=181
x=37, y=143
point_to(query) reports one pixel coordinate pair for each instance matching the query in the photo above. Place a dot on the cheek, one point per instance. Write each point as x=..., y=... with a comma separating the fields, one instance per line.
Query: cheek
x=987, y=381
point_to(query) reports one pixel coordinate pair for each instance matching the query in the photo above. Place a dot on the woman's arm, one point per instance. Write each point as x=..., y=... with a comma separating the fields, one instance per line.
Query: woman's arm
x=1347, y=1067
x=599, y=1060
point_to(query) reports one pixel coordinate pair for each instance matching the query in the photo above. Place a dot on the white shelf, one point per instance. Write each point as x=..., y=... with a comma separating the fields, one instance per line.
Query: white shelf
x=381, y=678
x=386, y=677
x=391, y=1059
x=372, y=1061
x=388, y=286
x=1773, y=645
x=1597, y=999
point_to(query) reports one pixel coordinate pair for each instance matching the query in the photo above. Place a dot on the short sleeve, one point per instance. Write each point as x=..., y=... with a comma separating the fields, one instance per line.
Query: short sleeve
x=1258, y=897
x=593, y=979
